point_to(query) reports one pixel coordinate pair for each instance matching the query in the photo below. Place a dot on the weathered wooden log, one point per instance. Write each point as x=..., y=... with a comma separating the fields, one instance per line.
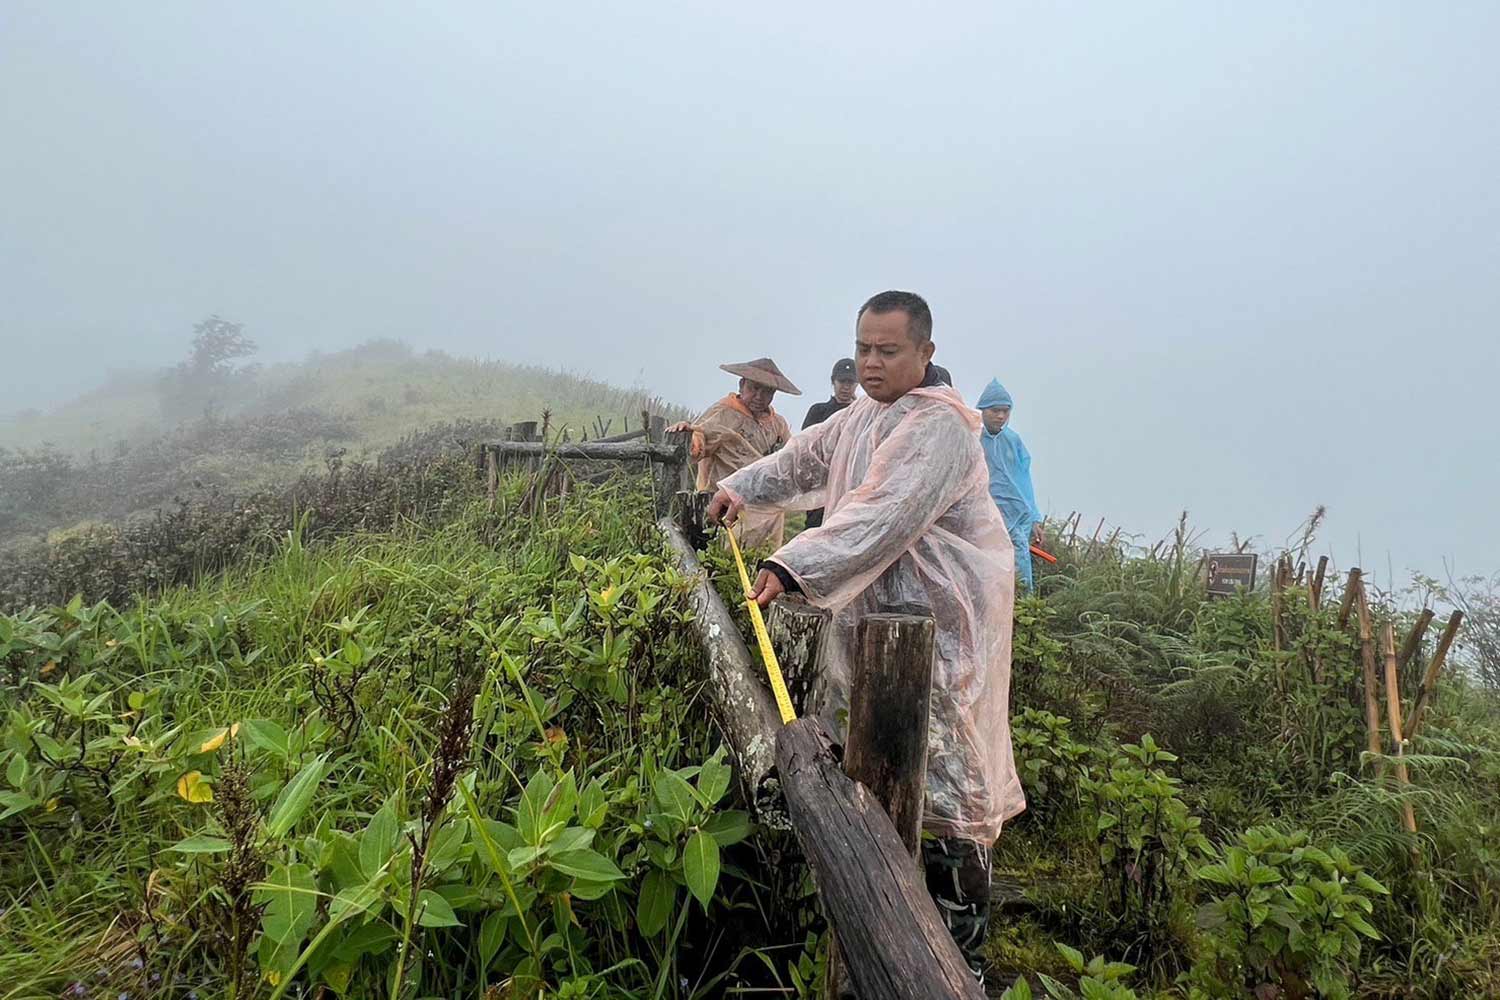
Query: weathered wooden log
x=598, y=451
x=1429, y=678
x=743, y=705
x=1393, y=709
x=798, y=631
x=627, y=436
x=897, y=945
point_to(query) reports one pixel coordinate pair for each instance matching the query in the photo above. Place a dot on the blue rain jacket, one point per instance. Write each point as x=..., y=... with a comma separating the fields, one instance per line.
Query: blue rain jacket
x=1010, y=480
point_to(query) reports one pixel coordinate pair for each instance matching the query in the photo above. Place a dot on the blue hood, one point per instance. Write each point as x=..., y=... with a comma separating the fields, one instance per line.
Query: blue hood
x=995, y=395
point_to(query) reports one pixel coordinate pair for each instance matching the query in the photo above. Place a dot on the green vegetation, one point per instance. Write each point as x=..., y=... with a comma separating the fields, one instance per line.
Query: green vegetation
x=411, y=764
x=1203, y=806
x=354, y=733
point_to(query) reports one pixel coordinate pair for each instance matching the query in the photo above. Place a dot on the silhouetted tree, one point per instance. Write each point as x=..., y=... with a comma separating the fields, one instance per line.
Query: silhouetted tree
x=197, y=384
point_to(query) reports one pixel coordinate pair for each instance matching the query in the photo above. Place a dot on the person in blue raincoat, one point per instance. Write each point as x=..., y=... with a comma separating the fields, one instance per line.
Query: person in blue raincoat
x=1010, y=475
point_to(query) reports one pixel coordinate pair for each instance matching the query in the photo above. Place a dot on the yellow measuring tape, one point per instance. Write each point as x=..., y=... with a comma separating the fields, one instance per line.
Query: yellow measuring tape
x=773, y=668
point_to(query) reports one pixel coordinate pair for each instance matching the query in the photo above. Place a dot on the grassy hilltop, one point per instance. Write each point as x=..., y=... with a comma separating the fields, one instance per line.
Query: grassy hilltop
x=129, y=446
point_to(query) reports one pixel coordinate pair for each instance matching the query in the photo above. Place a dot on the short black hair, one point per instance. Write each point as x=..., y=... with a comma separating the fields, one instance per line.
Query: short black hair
x=918, y=315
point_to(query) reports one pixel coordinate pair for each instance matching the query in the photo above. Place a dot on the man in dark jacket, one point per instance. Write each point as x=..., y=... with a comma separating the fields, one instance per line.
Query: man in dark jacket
x=844, y=383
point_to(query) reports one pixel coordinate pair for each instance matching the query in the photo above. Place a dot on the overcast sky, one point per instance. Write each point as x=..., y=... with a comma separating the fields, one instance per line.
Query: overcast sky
x=1238, y=258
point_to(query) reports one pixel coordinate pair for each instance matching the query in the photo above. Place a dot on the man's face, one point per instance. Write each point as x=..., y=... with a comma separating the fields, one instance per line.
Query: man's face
x=889, y=363
x=995, y=418
x=756, y=397
x=843, y=390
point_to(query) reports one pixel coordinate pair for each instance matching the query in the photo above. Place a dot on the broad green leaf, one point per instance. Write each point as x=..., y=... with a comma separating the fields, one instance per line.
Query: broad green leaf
x=586, y=864
x=583, y=889
x=12, y=803
x=435, y=911
x=290, y=898
x=558, y=808
x=728, y=828
x=674, y=794
x=491, y=938
x=523, y=856
x=532, y=807
x=655, y=903
x=700, y=863
x=365, y=940
x=379, y=839
x=592, y=806
x=263, y=734
x=1073, y=955
x=574, y=838
x=337, y=975
x=15, y=771
x=295, y=798
x=201, y=843
x=713, y=780
x=342, y=858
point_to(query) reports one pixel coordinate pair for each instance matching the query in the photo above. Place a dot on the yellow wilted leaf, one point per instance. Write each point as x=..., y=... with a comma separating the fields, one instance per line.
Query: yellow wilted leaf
x=193, y=788
x=52, y=805
x=217, y=739
x=273, y=977
x=48, y=667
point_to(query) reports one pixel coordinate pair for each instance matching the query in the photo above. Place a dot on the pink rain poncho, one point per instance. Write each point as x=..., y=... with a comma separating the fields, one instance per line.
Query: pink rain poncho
x=910, y=522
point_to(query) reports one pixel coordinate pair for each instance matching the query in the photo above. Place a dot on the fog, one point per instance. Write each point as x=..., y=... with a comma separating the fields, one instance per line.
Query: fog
x=1236, y=258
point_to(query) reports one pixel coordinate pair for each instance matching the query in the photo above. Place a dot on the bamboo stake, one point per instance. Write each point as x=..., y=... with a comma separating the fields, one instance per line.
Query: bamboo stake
x=1315, y=592
x=1277, y=582
x=1393, y=707
x=1429, y=679
x=1409, y=648
x=1348, y=597
x=1367, y=662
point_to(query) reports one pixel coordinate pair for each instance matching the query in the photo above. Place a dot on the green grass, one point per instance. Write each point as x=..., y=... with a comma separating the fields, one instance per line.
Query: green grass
x=564, y=632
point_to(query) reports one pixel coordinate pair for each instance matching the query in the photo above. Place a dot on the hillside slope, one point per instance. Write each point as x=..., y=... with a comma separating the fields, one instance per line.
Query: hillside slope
x=112, y=453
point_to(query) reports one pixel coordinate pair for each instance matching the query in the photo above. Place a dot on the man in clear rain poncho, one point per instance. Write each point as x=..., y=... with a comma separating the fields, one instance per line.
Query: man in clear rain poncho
x=1010, y=476
x=909, y=522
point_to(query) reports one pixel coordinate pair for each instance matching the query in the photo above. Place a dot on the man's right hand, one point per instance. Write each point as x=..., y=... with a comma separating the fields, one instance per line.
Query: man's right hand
x=723, y=508
x=680, y=428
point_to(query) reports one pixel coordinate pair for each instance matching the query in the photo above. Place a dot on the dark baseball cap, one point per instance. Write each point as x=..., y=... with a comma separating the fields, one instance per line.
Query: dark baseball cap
x=844, y=371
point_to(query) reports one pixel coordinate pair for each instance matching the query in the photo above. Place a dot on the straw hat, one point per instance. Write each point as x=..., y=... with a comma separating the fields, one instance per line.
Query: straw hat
x=763, y=371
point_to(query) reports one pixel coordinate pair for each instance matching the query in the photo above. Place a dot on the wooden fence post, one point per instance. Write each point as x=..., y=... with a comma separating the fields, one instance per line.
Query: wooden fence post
x=1367, y=663
x=797, y=630
x=491, y=474
x=890, y=698
x=1393, y=707
x=1413, y=640
x=674, y=475
x=1429, y=679
x=1348, y=603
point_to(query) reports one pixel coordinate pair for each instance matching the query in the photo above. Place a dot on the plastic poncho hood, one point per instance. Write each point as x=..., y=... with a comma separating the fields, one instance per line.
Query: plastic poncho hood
x=910, y=523
x=994, y=395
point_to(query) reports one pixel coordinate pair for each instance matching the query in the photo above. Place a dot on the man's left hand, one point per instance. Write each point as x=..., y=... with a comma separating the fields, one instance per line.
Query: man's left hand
x=767, y=588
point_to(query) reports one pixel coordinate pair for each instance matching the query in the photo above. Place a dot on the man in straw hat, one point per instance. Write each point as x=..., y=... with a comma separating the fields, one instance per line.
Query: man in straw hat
x=910, y=522
x=740, y=429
